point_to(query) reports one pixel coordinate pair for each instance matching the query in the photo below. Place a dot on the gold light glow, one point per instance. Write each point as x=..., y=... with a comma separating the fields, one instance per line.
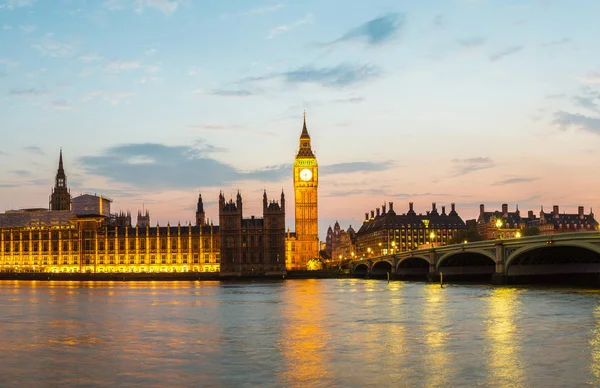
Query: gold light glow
x=434, y=319
x=504, y=361
x=304, y=338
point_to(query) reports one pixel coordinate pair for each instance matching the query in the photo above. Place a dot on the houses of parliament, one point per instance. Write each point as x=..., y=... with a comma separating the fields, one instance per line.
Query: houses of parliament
x=81, y=234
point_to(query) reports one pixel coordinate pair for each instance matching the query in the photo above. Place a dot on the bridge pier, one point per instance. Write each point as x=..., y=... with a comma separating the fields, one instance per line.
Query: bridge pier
x=499, y=277
x=432, y=276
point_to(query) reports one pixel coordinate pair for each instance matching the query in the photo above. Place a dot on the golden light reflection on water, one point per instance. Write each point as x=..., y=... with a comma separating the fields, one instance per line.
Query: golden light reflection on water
x=504, y=364
x=437, y=360
x=595, y=348
x=304, y=338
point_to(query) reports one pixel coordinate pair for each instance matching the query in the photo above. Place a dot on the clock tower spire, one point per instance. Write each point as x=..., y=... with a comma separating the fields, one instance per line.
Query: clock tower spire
x=306, y=181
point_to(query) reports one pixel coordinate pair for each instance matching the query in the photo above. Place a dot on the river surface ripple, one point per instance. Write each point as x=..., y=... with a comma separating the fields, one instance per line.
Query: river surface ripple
x=299, y=333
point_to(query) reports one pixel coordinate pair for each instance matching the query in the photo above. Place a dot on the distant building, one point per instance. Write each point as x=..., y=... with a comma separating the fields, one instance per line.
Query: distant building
x=339, y=243
x=384, y=232
x=505, y=224
x=252, y=245
x=500, y=224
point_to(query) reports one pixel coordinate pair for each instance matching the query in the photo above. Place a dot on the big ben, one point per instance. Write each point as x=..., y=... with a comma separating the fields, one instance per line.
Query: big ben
x=306, y=181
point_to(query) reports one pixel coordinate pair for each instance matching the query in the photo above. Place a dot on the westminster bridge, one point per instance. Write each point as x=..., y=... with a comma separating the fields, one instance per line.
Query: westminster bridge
x=501, y=260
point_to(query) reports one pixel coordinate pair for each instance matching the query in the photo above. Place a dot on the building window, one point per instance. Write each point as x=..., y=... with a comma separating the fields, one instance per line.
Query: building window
x=131, y=259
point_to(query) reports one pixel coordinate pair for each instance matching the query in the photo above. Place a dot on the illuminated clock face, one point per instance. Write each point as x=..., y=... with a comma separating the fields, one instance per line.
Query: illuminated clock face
x=305, y=174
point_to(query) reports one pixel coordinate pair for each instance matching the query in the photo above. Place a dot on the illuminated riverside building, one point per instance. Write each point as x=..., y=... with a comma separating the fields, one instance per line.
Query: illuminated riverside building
x=82, y=235
x=506, y=224
x=339, y=243
x=384, y=232
x=303, y=245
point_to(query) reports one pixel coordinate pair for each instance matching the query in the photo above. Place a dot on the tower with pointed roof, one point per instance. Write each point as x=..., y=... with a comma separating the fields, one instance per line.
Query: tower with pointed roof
x=306, y=182
x=60, y=199
x=200, y=215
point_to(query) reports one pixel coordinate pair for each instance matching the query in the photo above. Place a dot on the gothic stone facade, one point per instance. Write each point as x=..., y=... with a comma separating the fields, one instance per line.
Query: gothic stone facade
x=252, y=245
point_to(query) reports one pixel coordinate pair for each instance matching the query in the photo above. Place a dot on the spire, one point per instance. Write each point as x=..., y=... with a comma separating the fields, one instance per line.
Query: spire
x=304, y=134
x=200, y=208
x=60, y=162
x=305, y=149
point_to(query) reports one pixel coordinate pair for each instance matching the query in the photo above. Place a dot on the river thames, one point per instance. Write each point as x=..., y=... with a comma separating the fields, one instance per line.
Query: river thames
x=301, y=333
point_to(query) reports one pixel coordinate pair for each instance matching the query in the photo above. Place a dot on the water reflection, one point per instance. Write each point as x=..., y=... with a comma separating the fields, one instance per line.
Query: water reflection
x=304, y=337
x=504, y=364
x=295, y=333
x=595, y=345
x=437, y=360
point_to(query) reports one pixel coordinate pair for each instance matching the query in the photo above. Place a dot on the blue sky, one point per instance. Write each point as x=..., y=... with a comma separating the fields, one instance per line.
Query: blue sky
x=465, y=101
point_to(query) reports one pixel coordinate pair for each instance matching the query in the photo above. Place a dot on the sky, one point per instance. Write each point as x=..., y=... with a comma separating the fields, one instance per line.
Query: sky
x=446, y=101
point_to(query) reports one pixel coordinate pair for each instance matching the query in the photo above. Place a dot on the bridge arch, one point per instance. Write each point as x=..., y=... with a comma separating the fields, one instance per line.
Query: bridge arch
x=482, y=252
x=417, y=266
x=468, y=263
x=361, y=269
x=381, y=268
x=530, y=259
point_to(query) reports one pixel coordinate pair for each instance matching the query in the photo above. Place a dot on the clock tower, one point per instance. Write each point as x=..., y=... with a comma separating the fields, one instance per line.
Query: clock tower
x=306, y=181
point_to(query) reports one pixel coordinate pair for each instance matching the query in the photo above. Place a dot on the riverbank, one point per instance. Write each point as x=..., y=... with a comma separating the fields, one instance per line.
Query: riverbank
x=168, y=276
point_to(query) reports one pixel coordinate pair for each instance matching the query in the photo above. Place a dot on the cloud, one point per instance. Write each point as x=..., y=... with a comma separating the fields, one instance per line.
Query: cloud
x=165, y=6
x=50, y=47
x=8, y=62
x=114, y=5
x=7, y=27
x=34, y=150
x=349, y=167
x=338, y=76
x=91, y=57
x=231, y=93
x=506, y=52
x=514, y=180
x=472, y=42
x=151, y=166
x=27, y=92
x=229, y=128
x=118, y=66
x=591, y=78
x=61, y=105
x=558, y=42
x=111, y=97
x=375, y=31
x=465, y=166
x=347, y=193
x=150, y=52
x=565, y=121
x=586, y=102
x=349, y=100
x=308, y=18
x=28, y=28
x=12, y=4
x=263, y=10
x=22, y=173
x=439, y=21
x=194, y=71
